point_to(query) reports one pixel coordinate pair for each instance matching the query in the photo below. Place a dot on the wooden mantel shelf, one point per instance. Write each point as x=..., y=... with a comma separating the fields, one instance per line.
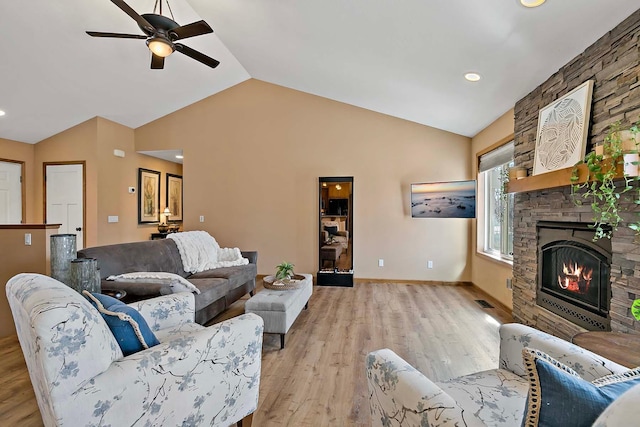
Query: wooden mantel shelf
x=558, y=178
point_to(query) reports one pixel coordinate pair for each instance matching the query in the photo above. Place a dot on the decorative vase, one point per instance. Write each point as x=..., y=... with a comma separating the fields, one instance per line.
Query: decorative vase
x=519, y=172
x=84, y=275
x=163, y=228
x=631, y=161
x=98, y=283
x=63, y=250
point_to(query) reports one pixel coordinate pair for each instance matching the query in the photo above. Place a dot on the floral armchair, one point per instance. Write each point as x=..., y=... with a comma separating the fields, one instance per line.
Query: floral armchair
x=399, y=395
x=195, y=376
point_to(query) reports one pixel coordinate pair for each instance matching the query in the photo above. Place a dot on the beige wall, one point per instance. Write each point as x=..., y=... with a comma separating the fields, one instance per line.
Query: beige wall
x=18, y=258
x=17, y=151
x=253, y=155
x=488, y=274
x=116, y=175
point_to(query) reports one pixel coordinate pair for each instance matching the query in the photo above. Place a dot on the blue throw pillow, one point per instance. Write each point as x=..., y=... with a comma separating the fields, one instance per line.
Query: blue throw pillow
x=126, y=324
x=559, y=397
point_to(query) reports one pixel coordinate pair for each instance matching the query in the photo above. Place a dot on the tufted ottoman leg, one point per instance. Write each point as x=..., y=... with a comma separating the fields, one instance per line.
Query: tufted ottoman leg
x=280, y=308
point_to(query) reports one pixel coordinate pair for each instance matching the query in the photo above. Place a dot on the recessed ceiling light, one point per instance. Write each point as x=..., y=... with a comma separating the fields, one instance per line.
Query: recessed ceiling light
x=2, y=113
x=531, y=3
x=179, y=156
x=472, y=77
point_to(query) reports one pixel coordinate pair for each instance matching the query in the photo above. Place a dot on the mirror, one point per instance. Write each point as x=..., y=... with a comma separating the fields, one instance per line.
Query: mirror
x=335, y=231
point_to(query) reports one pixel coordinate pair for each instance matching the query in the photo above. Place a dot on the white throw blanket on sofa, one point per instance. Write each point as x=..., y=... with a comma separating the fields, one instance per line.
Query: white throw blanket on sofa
x=200, y=251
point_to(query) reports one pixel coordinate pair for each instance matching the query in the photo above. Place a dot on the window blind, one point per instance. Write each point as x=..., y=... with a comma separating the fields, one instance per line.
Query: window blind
x=496, y=157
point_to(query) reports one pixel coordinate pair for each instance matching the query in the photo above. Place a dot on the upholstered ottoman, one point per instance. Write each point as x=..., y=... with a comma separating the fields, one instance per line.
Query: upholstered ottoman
x=279, y=309
x=331, y=253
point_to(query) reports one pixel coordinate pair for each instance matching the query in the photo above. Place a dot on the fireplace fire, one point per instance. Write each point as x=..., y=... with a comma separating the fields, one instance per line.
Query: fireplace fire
x=575, y=278
x=574, y=274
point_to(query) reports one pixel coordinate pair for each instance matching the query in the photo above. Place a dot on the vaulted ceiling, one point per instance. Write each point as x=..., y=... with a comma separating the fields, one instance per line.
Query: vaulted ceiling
x=404, y=58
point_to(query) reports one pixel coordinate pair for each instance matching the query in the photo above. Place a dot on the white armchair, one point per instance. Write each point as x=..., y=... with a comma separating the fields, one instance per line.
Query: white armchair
x=195, y=376
x=399, y=395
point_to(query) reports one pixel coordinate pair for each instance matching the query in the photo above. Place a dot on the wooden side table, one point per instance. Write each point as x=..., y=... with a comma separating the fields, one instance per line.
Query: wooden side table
x=615, y=346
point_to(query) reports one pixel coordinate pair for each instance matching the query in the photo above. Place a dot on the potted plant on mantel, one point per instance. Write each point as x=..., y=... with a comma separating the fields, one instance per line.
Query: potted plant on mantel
x=616, y=157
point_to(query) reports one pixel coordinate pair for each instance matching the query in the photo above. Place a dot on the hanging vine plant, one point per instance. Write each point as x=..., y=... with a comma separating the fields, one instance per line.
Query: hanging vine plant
x=603, y=189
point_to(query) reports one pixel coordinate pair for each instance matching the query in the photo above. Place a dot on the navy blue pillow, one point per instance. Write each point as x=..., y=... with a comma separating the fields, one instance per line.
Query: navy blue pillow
x=126, y=324
x=332, y=230
x=559, y=397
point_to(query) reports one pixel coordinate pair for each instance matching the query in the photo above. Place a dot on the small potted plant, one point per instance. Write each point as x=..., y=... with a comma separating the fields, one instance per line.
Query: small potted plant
x=284, y=278
x=284, y=271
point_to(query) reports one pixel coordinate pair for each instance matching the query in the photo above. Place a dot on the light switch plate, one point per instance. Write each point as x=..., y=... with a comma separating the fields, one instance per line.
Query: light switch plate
x=113, y=218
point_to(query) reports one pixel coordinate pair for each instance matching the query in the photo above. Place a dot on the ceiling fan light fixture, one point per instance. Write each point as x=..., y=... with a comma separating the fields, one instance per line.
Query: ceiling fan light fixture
x=160, y=46
x=531, y=3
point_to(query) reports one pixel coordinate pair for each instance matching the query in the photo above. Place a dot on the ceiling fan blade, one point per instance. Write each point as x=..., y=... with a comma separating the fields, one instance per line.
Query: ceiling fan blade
x=191, y=30
x=200, y=57
x=116, y=35
x=157, y=62
x=143, y=23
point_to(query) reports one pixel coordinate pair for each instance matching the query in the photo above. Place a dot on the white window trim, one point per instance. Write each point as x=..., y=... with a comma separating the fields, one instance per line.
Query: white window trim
x=481, y=235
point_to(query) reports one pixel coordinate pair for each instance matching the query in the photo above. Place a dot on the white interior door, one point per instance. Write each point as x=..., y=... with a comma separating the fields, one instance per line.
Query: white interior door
x=64, y=203
x=10, y=193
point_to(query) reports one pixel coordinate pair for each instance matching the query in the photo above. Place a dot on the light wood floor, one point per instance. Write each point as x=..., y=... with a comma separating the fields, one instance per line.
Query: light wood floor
x=319, y=378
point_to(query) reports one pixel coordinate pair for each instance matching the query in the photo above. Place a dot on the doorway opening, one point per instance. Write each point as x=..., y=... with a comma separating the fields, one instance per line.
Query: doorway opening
x=12, y=192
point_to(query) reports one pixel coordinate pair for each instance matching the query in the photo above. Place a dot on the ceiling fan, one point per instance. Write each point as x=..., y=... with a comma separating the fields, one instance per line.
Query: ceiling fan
x=162, y=34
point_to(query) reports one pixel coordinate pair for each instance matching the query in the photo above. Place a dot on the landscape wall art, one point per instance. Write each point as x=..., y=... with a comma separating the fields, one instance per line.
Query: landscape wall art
x=454, y=199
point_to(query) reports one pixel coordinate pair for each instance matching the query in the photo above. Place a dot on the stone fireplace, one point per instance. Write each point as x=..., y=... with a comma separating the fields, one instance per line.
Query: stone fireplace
x=574, y=274
x=612, y=62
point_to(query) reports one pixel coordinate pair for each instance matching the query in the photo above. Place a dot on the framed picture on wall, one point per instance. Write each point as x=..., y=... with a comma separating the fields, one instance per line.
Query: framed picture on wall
x=174, y=196
x=452, y=199
x=563, y=127
x=148, y=196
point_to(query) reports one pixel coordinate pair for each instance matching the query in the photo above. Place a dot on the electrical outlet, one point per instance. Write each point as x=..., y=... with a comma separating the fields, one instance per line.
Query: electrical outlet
x=380, y=262
x=27, y=239
x=112, y=218
x=509, y=283
x=201, y=218
x=429, y=264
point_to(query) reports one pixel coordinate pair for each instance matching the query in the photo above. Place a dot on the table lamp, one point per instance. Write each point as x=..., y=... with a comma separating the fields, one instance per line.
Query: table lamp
x=163, y=227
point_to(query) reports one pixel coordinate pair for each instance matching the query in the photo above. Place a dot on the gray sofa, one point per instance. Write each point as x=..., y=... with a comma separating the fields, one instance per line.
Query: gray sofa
x=219, y=288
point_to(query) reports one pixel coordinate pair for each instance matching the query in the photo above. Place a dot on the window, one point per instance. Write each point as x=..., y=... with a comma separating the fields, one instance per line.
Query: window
x=497, y=213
